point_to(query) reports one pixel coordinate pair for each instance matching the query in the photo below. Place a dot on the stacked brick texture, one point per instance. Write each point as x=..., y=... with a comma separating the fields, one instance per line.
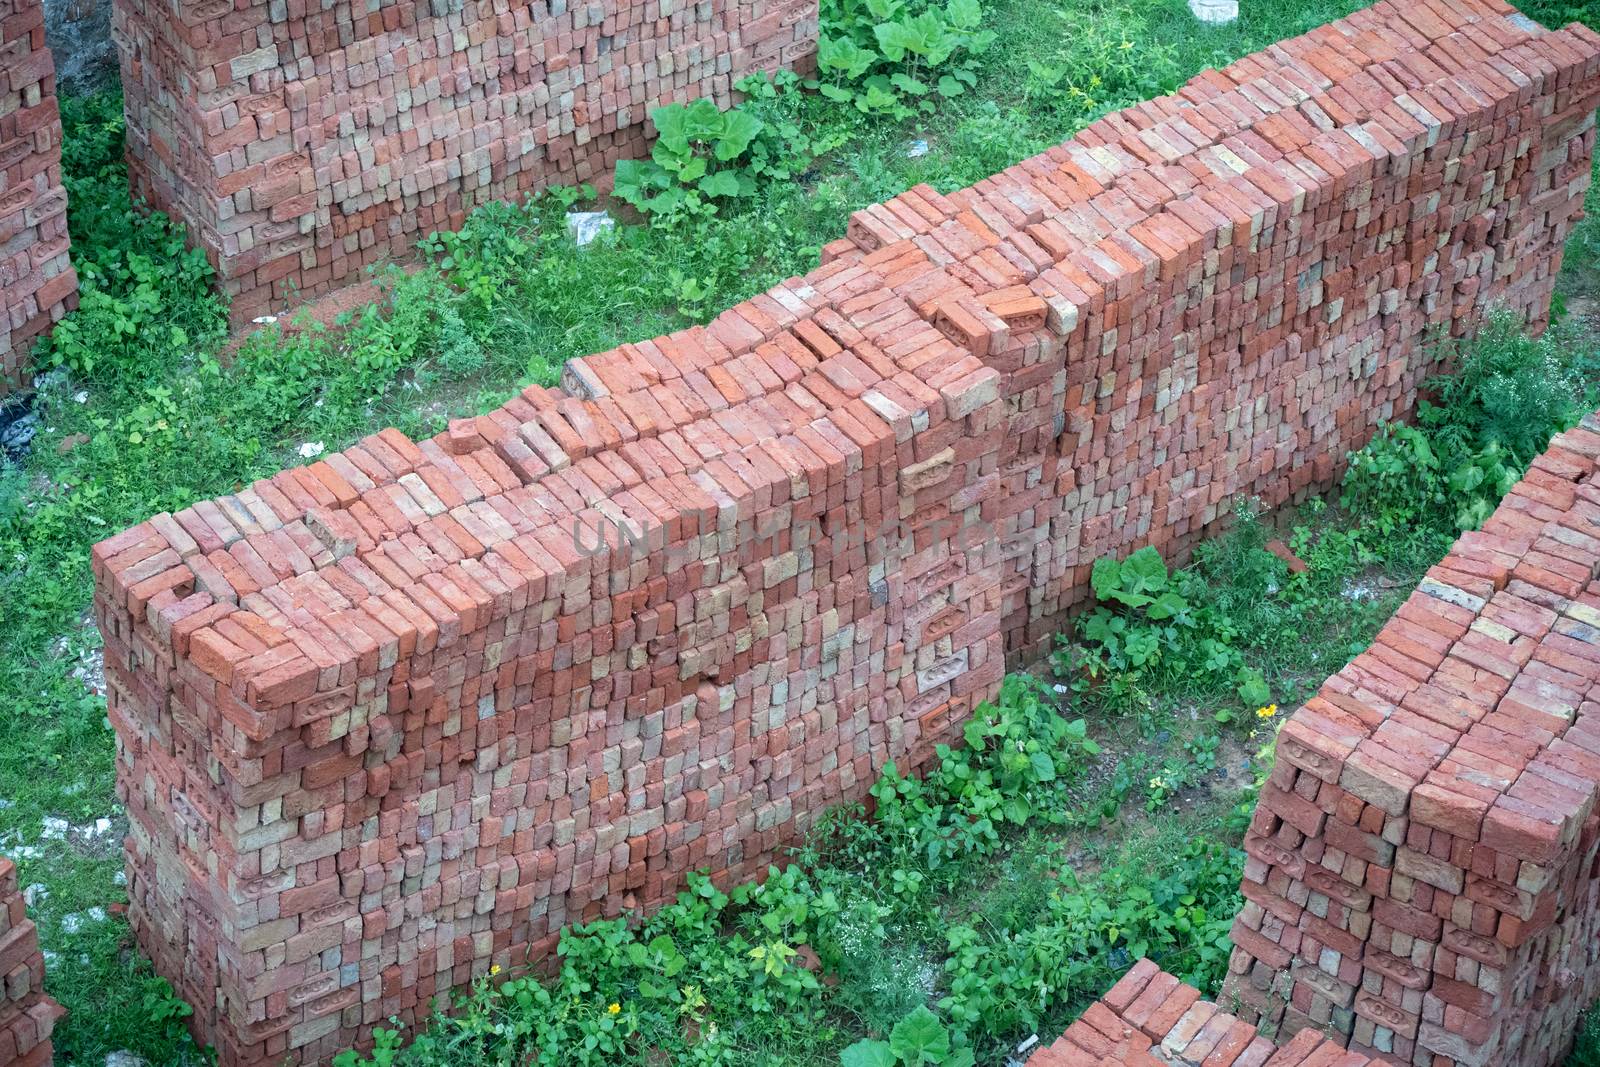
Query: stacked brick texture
x=397, y=716
x=301, y=142
x=1424, y=871
x=37, y=283
x=1151, y=1019
x=27, y=1016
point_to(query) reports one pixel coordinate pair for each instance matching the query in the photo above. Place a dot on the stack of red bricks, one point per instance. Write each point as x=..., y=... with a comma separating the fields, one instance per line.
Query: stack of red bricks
x=1424, y=872
x=395, y=717
x=37, y=283
x=1151, y=1019
x=1242, y=274
x=27, y=1016
x=301, y=143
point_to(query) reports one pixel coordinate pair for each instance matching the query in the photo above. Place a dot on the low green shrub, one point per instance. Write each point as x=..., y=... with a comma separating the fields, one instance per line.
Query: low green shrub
x=1586, y=1049
x=1506, y=395
x=145, y=299
x=1149, y=624
x=898, y=57
x=1004, y=978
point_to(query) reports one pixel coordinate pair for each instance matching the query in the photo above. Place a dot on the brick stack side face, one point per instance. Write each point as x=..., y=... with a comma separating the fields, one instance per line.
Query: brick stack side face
x=303, y=144
x=27, y=1015
x=1151, y=1019
x=392, y=718
x=37, y=283
x=1424, y=878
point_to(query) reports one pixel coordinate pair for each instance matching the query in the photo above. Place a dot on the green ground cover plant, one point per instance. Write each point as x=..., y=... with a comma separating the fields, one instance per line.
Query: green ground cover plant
x=148, y=407
x=1586, y=1050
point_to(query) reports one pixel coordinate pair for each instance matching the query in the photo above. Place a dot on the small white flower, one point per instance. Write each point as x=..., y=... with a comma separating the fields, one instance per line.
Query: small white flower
x=311, y=449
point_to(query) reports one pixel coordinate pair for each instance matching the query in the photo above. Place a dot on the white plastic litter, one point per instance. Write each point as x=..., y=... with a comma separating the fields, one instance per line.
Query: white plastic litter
x=1215, y=12
x=585, y=226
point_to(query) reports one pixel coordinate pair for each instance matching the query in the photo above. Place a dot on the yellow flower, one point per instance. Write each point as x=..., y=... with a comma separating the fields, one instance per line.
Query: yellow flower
x=614, y=1008
x=1267, y=712
x=494, y=970
x=1158, y=783
x=1127, y=46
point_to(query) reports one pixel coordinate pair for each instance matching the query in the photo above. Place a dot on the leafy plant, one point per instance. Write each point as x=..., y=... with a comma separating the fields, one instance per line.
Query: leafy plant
x=145, y=298
x=919, y=1038
x=897, y=57
x=1507, y=395
x=1586, y=1049
x=1146, y=625
x=701, y=155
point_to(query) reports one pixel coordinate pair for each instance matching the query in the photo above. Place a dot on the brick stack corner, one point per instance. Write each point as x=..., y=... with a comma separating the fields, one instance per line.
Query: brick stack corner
x=37, y=282
x=27, y=1015
x=396, y=717
x=1423, y=877
x=1149, y=1018
x=301, y=145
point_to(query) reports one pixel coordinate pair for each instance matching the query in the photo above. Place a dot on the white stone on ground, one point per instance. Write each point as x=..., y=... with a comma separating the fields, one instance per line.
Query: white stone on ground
x=1215, y=12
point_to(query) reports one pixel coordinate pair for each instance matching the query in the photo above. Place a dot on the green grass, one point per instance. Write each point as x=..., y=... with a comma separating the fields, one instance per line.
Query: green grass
x=166, y=422
x=1586, y=1050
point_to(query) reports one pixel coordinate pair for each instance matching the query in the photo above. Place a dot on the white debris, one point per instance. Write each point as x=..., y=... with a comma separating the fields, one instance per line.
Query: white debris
x=264, y=320
x=1019, y=1056
x=81, y=396
x=74, y=922
x=124, y=1058
x=916, y=148
x=585, y=226
x=33, y=894
x=1215, y=12
x=311, y=449
x=55, y=829
x=1060, y=689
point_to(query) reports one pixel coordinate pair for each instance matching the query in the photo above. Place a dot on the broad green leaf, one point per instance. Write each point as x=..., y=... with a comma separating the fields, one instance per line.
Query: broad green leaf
x=693, y=170
x=1167, y=605
x=1253, y=691
x=670, y=121
x=867, y=1053
x=722, y=183
x=739, y=129
x=920, y=1038
x=948, y=86
x=702, y=121
x=1106, y=576
x=964, y=14
x=1144, y=571
x=907, y=84
x=1044, y=768
x=898, y=38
